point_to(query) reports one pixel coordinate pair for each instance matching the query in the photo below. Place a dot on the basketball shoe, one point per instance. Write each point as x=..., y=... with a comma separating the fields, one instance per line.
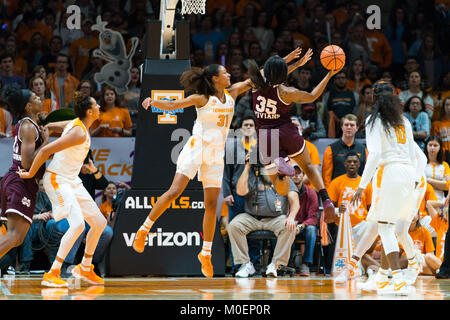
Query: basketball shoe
x=88, y=276
x=53, y=279
x=139, y=241
x=414, y=269
x=398, y=285
x=371, y=283
x=207, y=267
x=284, y=168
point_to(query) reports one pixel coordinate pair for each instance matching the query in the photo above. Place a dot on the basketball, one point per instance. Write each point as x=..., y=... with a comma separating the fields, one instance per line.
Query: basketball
x=332, y=57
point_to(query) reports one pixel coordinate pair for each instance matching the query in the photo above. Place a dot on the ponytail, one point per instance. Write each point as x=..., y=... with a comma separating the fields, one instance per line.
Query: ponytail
x=256, y=76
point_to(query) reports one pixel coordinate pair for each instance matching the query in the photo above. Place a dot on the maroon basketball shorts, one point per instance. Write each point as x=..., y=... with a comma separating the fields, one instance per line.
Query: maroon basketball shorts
x=18, y=196
x=281, y=141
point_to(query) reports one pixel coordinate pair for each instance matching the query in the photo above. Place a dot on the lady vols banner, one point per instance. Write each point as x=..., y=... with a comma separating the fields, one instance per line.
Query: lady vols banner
x=345, y=247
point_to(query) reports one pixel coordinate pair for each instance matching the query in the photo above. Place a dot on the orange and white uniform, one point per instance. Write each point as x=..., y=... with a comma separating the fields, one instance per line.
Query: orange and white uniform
x=61, y=182
x=392, y=164
x=204, y=151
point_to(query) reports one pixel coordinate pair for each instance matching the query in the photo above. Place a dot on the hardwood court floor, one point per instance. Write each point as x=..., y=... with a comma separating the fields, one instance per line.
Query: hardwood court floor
x=220, y=288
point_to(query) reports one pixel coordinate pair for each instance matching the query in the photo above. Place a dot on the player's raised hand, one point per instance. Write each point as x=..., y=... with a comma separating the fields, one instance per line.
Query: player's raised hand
x=293, y=55
x=147, y=103
x=306, y=57
x=333, y=72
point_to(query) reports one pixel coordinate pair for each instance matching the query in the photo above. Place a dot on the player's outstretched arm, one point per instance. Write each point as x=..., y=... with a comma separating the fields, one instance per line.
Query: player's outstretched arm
x=58, y=126
x=27, y=135
x=167, y=105
x=295, y=95
x=74, y=137
x=239, y=88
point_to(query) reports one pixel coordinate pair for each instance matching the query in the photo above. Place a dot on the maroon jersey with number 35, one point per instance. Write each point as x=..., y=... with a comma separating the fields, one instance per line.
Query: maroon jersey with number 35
x=270, y=111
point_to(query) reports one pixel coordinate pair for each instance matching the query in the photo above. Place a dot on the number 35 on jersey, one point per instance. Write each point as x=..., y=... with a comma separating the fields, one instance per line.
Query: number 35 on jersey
x=266, y=108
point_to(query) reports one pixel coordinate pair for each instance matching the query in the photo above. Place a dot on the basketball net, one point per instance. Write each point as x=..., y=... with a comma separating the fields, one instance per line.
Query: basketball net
x=193, y=6
x=345, y=247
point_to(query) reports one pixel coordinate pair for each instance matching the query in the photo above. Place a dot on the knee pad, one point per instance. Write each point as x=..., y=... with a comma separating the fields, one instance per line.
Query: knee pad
x=388, y=238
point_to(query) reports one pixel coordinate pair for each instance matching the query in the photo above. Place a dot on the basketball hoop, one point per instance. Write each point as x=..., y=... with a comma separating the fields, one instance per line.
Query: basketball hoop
x=193, y=6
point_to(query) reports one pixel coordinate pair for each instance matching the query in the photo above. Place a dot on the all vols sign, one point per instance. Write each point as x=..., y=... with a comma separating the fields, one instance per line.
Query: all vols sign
x=174, y=242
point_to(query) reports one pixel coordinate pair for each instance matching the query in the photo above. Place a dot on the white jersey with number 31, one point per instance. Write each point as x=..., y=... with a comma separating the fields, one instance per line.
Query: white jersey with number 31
x=214, y=120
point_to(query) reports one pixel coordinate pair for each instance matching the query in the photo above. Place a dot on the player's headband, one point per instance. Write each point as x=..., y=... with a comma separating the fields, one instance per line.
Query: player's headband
x=382, y=86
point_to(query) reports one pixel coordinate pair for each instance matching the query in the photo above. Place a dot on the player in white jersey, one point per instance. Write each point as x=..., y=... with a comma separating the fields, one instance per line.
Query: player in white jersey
x=66, y=192
x=392, y=162
x=204, y=151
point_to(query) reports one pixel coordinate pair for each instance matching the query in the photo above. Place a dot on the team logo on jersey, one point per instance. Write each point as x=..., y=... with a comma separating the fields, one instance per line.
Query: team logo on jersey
x=26, y=202
x=167, y=117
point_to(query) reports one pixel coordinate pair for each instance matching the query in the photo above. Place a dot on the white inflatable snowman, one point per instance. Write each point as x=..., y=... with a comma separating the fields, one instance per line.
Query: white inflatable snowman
x=116, y=73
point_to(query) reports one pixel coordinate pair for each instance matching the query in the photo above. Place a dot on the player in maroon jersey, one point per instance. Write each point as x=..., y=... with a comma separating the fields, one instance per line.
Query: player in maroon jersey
x=272, y=104
x=18, y=196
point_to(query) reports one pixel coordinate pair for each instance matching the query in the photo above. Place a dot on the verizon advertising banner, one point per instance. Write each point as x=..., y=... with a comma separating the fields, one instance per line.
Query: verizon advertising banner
x=174, y=243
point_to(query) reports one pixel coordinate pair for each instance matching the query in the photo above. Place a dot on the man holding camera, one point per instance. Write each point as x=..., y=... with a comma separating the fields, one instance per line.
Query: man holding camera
x=264, y=209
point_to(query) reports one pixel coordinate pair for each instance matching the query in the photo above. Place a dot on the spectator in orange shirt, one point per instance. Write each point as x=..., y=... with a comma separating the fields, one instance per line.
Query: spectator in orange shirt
x=380, y=50
x=424, y=244
x=80, y=48
x=439, y=223
x=62, y=83
x=31, y=24
x=341, y=191
x=114, y=120
x=441, y=128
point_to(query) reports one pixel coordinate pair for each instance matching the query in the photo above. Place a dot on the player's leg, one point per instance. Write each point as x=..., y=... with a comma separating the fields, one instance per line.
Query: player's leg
x=17, y=227
x=179, y=183
x=304, y=161
x=76, y=227
x=391, y=249
x=209, y=225
x=97, y=223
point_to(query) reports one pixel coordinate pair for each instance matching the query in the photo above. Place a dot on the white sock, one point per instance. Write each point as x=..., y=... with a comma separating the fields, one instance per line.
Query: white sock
x=147, y=225
x=397, y=275
x=206, y=249
x=86, y=263
x=56, y=265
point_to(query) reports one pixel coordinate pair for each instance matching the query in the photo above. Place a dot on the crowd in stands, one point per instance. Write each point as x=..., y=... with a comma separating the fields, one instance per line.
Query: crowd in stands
x=39, y=52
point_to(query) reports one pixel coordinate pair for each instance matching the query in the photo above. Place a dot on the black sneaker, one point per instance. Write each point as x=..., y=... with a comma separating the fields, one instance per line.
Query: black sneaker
x=24, y=268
